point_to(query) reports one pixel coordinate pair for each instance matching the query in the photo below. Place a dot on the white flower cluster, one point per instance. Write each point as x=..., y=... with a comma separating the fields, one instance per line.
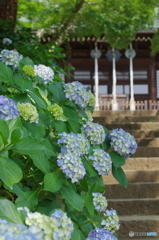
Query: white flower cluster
x=10, y=57
x=110, y=220
x=7, y=41
x=101, y=161
x=8, y=108
x=78, y=93
x=28, y=112
x=69, y=160
x=46, y=73
x=11, y=231
x=100, y=234
x=64, y=224
x=122, y=142
x=94, y=132
x=99, y=202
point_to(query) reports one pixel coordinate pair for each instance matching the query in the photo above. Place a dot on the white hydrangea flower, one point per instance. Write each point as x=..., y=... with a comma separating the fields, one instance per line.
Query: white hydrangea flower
x=46, y=73
x=111, y=220
x=99, y=202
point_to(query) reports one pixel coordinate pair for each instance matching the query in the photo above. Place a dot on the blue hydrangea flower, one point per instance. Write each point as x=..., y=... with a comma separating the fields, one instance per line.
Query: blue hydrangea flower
x=77, y=92
x=94, y=132
x=64, y=224
x=100, y=234
x=46, y=73
x=122, y=142
x=110, y=220
x=10, y=57
x=72, y=165
x=99, y=202
x=11, y=231
x=7, y=41
x=8, y=108
x=101, y=161
x=74, y=143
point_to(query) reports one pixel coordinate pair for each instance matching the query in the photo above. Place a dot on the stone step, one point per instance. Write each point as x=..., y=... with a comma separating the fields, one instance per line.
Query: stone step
x=125, y=113
x=147, y=142
x=138, y=224
x=134, y=177
x=142, y=206
x=146, y=152
x=116, y=119
x=146, y=126
x=144, y=134
x=134, y=190
x=142, y=163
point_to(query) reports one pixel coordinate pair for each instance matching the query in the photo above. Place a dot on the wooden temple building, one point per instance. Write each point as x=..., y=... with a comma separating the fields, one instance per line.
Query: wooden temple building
x=145, y=72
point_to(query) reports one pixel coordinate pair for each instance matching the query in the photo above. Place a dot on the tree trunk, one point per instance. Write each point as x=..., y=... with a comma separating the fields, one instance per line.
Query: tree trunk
x=8, y=11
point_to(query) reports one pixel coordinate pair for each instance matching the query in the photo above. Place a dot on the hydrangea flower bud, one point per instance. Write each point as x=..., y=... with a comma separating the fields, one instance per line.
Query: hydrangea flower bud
x=64, y=224
x=77, y=92
x=100, y=234
x=94, y=132
x=101, y=161
x=57, y=112
x=11, y=231
x=110, y=220
x=29, y=70
x=91, y=99
x=7, y=41
x=99, y=202
x=28, y=112
x=72, y=166
x=8, y=108
x=74, y=143
x=46, y=73
x=10, y=57
x=122, y=142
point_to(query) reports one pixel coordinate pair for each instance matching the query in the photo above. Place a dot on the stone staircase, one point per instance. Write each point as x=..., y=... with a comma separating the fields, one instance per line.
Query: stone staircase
x=137, y=205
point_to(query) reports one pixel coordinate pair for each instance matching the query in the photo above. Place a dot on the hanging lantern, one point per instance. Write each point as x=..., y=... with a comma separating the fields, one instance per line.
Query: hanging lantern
x=110, y=53
x=96, y=53
x=130, y=53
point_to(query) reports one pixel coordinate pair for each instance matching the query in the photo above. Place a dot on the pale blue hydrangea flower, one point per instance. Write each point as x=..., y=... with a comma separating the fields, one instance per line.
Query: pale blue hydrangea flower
x=64, y=224
x=110, y=220
x=10, y=57
x=122, y=142
x=100, y=234
x=94, y=132
x=11, y=231
x=75, y=143
x=101, y=161
x=77, y=92
x=72, y=165
x=7, y=41
x=42, y=225
x=46, y=73
x=99, y=202
x=8, y=108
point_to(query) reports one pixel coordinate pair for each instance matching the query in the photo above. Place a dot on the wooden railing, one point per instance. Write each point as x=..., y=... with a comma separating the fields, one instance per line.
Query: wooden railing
x=105, y=104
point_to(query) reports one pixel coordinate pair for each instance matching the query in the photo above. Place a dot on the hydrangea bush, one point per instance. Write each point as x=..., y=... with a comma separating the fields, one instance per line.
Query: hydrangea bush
x=52, y=157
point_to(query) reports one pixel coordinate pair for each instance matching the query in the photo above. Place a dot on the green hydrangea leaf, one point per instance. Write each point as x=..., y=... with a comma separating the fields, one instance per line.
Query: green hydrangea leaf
x=41, y=162
x=120, y=176
x=27, y=199
x=117, y=159
x=52, y=182
x=6, y=74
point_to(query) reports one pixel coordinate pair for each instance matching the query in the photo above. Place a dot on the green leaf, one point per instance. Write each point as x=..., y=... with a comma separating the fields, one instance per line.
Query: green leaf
x=74, y=126
x=75, y=200
x=41, y=162
x=39, y=101
x=77, y=234
x=23, y=83
x=120, y=176
x=82, y=112
x=117, y=159
x=97, y=188
x=70, y=113
x=27, y=199
x=10, y=172
x=58, y=91
x=88, y=202
x=9, y=212
x=92, y=172
x=29, y=146
x=61, y=126
x=16, y=135
x=106, y=143
x=37, y=131
x=52, y=182
x=6, y=74
x=4, y=131
x=26, y=61
x=47, y=207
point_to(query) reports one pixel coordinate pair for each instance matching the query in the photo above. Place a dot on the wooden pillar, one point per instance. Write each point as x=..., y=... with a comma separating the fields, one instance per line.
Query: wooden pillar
x=8, y=11
x=152, y=80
